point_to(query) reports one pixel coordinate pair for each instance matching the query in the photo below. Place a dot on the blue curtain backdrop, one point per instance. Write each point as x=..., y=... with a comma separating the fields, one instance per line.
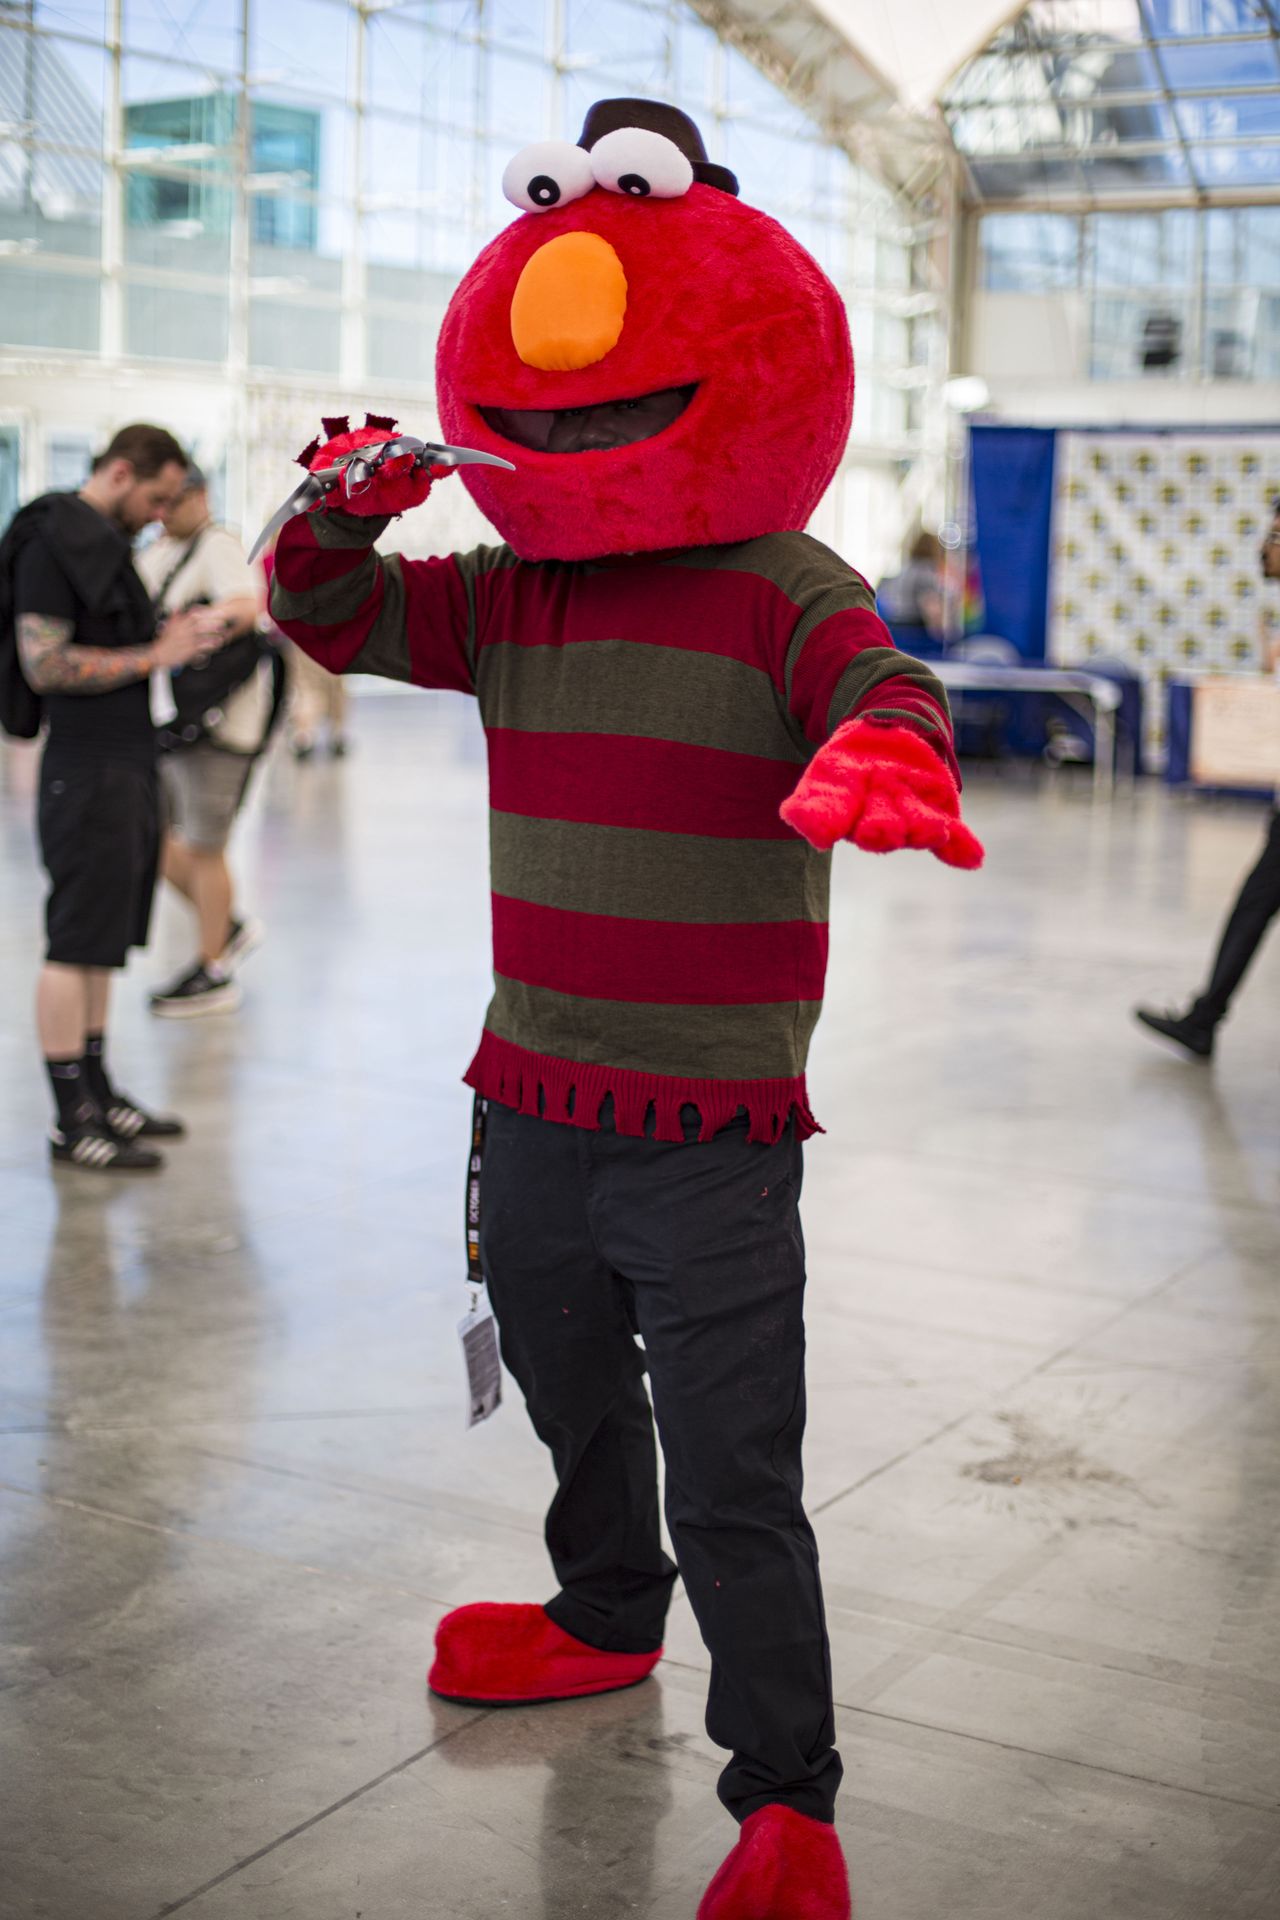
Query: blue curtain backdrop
x=1012, y=474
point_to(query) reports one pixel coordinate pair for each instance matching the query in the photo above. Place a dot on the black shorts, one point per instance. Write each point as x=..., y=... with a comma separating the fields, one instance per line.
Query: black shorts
x=99, y=824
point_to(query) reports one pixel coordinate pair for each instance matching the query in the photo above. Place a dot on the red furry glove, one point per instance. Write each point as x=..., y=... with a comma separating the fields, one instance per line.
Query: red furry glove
x=394, y=488
x=883, y=788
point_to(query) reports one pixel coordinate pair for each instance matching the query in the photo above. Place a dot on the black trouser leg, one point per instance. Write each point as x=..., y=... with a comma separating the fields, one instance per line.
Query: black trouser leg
x=1256, y=906
x=567, y=1339
x=710, y=1236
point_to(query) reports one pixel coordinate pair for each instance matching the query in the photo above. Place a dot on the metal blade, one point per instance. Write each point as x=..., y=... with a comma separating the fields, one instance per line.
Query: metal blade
x=427, y=452
x=465, y=457
x=301, y=500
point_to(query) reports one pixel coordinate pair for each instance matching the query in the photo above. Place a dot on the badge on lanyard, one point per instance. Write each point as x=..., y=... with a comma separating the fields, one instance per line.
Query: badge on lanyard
x=477, y=1329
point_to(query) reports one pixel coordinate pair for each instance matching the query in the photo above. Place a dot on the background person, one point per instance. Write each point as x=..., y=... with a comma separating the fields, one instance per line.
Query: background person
x=1258, y=901
x=910, y=602
x=85, y=635
x=317, y=700
x=204, y=780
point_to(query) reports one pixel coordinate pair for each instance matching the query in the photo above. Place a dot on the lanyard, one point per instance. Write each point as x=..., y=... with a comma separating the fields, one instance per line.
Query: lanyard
x=475, y=1275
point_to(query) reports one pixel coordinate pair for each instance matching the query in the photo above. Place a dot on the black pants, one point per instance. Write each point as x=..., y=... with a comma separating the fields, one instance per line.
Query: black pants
x=1255, y=908
x=587, y=1238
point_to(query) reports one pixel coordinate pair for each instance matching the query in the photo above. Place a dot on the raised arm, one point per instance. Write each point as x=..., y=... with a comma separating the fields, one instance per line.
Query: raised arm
x=357, y=611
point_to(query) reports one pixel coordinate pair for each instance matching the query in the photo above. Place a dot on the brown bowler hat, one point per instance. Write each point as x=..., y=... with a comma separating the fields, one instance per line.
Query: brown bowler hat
x=606, y=116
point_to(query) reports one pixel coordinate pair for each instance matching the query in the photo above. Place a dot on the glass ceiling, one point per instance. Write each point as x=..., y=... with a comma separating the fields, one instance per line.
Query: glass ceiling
x=1122, y=101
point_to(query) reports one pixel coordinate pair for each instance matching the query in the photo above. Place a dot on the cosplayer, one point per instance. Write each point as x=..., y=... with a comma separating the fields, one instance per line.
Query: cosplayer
x=688, y=701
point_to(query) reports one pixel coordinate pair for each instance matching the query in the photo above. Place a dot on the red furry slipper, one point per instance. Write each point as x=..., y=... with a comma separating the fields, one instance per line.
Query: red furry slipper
x=491, y=1655
x=784, y=1867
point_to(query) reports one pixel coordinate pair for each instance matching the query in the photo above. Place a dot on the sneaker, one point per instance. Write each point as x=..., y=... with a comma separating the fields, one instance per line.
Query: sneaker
x=1188, y=1033
x=194, y=993
x=301, y=748
x=128, y=1121
x=338, y=747
x=91, y=1144
x=244, y=936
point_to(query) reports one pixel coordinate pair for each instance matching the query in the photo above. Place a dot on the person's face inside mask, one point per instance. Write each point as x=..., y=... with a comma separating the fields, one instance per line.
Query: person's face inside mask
x=595, y=429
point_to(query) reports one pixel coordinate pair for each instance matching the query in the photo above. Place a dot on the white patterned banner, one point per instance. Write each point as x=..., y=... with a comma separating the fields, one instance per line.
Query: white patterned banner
x=1155, y=555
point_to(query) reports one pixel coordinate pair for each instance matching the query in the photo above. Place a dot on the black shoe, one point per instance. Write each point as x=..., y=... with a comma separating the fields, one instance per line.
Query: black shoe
x=1191, y=1034
x=128, y=1121
x=302, y=749
x=338, y=747
x=242, y=938
x=194, y=993
x=90, y=1143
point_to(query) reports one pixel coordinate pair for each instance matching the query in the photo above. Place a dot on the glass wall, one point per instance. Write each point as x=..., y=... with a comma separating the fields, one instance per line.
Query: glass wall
x=1179, y=293
x=294, y=186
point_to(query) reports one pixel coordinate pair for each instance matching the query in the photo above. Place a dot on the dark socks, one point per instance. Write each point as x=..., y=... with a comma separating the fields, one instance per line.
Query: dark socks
x=70, y=1090
x=94, y=1068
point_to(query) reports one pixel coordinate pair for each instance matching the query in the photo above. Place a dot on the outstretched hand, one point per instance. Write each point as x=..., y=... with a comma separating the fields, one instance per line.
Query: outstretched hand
x=884, y=788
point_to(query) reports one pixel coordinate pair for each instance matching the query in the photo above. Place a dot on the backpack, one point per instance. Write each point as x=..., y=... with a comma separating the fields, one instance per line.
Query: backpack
x=202, y=688
x=21, y=708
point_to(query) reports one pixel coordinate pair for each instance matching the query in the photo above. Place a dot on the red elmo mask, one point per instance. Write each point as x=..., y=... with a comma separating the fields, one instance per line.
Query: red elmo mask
x=618, y=294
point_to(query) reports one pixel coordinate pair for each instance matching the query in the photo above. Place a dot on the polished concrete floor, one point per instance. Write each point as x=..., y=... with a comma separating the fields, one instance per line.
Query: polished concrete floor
x=1044, y=1454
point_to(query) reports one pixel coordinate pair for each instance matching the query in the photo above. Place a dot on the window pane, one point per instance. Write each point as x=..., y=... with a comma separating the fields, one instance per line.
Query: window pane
x=47, y=309
x=613, y=34
x=67, y=459
x=1029, y=252
x=301, y=339
x=207, y=34
x=180, y=221
x=749, y=94
x=412, y=71
x=295, y=244
x=402, y=349
x=518, y=23
x=170, y=325
x=65, y=83
x=1169, y=18
x=1236, y=166
x=1229, y=63
x=302, y=45
x=72, y=16
x=1140, y=337
x=10, y=474
x=306, y=139
x=519, y=99
x=1143, y=249
x=1230, y=325
x=695, y=49
x=427, y=241
x=51, y=202
x=169, y=109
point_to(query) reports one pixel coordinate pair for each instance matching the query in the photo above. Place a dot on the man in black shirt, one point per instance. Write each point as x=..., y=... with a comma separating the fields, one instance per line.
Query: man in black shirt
x=87, y=643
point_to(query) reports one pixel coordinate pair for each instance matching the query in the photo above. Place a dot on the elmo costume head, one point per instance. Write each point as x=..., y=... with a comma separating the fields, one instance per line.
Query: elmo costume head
x=666, y=367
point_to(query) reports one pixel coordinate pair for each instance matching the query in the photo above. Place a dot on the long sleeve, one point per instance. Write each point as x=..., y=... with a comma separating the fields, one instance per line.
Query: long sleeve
x=356, y=611
x=842, y=663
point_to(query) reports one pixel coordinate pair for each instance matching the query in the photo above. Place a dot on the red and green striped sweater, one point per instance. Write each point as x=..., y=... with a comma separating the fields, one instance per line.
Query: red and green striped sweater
x=659, y=934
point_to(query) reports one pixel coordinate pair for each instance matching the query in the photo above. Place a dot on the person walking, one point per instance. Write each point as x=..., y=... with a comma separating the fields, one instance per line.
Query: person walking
x=1258, y=901
x=87, y=645
x=317, y=701
x=206, y=764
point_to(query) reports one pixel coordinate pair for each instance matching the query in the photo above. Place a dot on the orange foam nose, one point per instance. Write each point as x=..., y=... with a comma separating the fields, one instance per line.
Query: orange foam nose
x=569, y=303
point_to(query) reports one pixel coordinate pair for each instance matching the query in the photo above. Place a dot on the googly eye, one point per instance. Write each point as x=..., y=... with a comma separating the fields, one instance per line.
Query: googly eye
x=548, y=174
x=644, y=165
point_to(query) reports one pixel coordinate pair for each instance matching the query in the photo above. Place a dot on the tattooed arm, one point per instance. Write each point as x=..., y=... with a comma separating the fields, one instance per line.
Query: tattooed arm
x=52, y=663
